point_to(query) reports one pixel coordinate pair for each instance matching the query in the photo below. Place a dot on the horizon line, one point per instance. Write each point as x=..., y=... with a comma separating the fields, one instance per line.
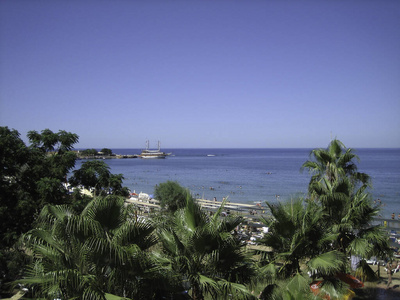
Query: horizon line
x=354, y=148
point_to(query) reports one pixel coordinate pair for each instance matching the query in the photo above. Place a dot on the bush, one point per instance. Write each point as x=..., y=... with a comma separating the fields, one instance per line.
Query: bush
x=171, y=194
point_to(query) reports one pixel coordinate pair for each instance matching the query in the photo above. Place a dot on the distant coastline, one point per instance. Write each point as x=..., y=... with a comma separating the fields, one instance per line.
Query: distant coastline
x=252, y=174
x=81, y=155
x=116, y=156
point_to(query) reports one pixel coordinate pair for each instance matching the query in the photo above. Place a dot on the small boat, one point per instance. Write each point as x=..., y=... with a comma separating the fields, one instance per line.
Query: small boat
x=147, y=153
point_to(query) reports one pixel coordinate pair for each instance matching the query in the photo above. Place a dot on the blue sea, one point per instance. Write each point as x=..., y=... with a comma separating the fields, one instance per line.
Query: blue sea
x=252, y=175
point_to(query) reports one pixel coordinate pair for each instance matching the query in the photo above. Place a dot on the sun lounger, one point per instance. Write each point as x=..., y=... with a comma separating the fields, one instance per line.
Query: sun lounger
x=372, y=261
x=394, y=270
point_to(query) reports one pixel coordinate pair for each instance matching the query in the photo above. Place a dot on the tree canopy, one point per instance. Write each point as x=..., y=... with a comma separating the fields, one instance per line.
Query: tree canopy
x=96, y=175
x=104, y=249
x=106, y=151
x=171, y=194
x=101, y=250
x=89, y=152
x=331, y=224
x=33, y=176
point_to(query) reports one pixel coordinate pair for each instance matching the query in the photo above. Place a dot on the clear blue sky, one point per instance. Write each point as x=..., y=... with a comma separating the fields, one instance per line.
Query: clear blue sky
x=203, y=73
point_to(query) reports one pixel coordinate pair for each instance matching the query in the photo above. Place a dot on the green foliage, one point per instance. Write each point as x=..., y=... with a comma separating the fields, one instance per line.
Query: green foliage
x=13, y=152
x=79, y=200
x=365, y=273
x=172, y=196
x=332, y=224
x=14, y=189
x=202, y=249
x=297, y=235
x=334, y=164
x=98, y=248
x=95, y=174
x=342, y=193
x=92, y=174
x=48, y=141
x=106, y=151
x=89, y=152
x=101, y=250
x=30, y=177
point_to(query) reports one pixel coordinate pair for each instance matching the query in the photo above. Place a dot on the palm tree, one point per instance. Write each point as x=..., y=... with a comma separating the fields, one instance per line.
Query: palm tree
x=299, y=235
x=96, y=174
x=117, y=246
x=301, y=251
x=334, y=163
x=333, y=197
x=102, y=250
x=342, y=194
x=317, y=234
x=204, y=254
x=59, y=268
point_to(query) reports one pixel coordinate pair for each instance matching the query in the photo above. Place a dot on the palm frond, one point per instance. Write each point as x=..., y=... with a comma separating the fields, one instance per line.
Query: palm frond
x=171, y=242
x=51, y=213
x=139, y=232
x=268, y=271
x=327, y=263
x=108, y=211
x=334, y=288
x=191, y=215
x=360, y=246
x=227, y=288
x=365, y=273
x=207, y=284
x=94, y=294
x=109, y=296
x=214, y=220
x=81, y=225
x=298, y=283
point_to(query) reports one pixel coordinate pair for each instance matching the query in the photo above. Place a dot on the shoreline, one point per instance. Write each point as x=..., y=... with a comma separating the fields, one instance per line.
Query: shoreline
x=243, y=175
x=377, y=289
x=115, y=156
x=254, y=211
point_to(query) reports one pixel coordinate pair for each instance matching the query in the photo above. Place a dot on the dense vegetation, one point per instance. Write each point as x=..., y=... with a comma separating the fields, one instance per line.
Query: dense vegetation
x=87, y=153
x=64, y=245
x=172, y=195
x=33, y=176
x=316, y=235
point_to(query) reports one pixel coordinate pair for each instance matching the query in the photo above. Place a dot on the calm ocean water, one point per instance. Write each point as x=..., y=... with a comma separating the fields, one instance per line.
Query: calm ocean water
x=252, y=175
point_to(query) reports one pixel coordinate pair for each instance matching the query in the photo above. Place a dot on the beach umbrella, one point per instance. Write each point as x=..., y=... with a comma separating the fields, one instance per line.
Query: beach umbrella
x=315, y=286
x=352, y=281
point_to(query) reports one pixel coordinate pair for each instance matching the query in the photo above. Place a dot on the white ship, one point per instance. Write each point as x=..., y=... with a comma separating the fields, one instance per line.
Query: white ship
x=147, y=153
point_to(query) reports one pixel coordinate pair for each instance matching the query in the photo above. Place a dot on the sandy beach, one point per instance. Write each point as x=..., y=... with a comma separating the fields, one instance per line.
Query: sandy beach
x=377, y=290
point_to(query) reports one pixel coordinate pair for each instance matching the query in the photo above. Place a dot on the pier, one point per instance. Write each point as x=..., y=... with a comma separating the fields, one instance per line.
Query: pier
x=249, y=211
x=389, y=224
